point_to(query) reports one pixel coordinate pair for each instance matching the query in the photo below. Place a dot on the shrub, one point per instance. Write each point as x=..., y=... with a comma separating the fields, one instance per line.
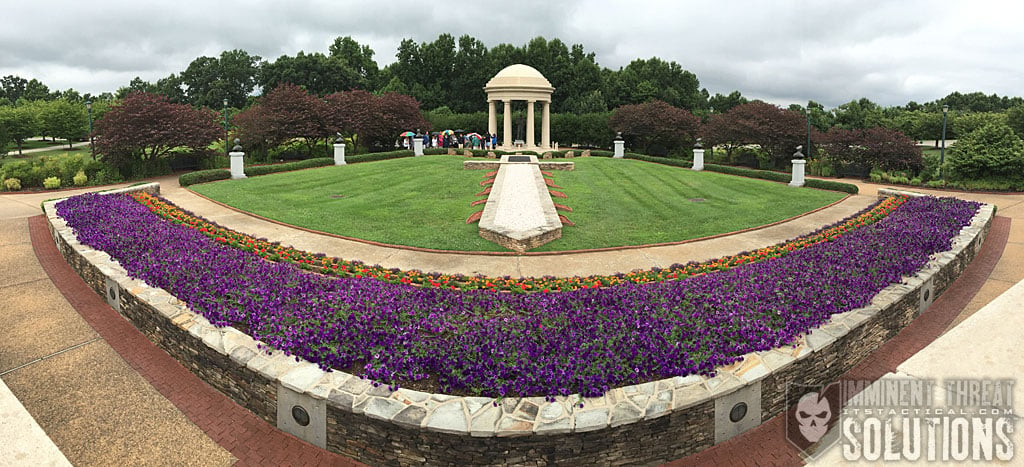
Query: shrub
x=992, y=151
x=257, y=170
x=381, y=156
x=831, y=185
x=203, y=176
x=51, y=183
x=916, y=181
x=12, y=184
x=80, y=179
x=106, y=176
x=875, y=177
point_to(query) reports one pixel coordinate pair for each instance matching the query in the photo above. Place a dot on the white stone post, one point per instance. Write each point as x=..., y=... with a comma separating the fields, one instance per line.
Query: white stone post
x=698, y=156
x=545, y=125
x=237, y=161
x=417, y=145
x=339, y=154
x=620, y=147
x=798, y=172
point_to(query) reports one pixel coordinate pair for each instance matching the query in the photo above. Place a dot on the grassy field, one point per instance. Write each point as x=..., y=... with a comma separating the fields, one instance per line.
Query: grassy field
x=12, y=155
x=425, y=201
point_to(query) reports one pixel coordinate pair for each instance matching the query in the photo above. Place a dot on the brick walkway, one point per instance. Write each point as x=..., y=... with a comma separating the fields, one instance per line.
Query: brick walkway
x=250, y=439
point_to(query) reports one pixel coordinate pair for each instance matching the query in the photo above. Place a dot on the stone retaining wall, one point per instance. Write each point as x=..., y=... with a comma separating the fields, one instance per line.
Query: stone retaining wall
x=641, y=424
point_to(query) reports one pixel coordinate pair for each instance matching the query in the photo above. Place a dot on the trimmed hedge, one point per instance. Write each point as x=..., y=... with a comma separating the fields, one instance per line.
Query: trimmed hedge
x=257, y=170
x=203, y=176
x=381, y=156
x=831, y=185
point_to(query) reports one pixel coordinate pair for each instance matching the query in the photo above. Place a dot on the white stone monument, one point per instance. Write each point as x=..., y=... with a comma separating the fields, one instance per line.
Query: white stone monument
x=620, y=147
x=237, y=161
x=339, y=151
x=698, y=156
x=417, y=145
x=798, y=168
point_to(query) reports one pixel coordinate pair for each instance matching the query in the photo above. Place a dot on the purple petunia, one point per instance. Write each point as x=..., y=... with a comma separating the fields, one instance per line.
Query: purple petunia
x=497, y=344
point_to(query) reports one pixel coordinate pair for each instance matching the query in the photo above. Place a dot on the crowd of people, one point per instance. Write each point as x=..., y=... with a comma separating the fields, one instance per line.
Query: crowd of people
x=455, y=140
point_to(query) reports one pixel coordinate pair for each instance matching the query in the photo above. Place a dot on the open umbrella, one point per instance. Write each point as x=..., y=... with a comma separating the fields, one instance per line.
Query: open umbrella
x=447, y=132
x=474, y=135
x=460, y=131
x=407, y=134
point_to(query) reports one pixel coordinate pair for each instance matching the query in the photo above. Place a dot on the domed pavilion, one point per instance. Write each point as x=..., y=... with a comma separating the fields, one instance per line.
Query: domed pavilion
x=520, y=83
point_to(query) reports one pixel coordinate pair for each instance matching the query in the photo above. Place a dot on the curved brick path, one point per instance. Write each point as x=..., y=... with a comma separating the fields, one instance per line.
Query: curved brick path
x=248, y=440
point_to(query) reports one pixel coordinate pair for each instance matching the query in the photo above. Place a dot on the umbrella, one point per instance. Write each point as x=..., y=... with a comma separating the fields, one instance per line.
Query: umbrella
x=408, y=133
x=447, y=132
x=460, y=131
x=474, y=135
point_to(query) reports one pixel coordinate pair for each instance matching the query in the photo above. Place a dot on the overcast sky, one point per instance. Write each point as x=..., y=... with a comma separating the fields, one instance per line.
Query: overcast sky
x=783, y=52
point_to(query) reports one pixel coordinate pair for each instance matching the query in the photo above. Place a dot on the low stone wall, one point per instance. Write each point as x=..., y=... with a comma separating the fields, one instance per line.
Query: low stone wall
x=641, y=424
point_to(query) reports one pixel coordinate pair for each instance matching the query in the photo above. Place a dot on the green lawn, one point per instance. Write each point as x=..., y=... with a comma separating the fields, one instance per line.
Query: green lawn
x=425, y=201
x=12, y=154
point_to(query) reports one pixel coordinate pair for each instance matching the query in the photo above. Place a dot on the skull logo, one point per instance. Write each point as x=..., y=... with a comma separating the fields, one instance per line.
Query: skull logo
x=812, y=415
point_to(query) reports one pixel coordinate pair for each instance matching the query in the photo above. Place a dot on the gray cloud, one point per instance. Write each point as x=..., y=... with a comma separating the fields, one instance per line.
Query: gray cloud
x=783, y=52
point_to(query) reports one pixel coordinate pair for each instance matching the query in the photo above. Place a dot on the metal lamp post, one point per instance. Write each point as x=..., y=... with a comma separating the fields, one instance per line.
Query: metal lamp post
x=808, y=131
x=227, y=150
x=88, y=108
x=942, y=152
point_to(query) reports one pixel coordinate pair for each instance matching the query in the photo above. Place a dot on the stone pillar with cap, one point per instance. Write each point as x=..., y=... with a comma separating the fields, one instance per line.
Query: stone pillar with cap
x=417, y=145
x=339, y=150
x=698, y=156
x=620, y=146
x=237, y=161
x=798, y=167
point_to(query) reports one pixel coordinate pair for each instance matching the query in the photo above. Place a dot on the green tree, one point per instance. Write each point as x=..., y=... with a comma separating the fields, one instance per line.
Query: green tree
x=359, y=59
x=35, y=90
x=316, y=72
x=13, y=87
x=860, y=113
x=965, y=123
x=65, y=119
x=137, y=84
x=20, y=123
x=721, y=104
x=653, y=78
x=209, y=80
x=991, y=151
x=1015, y=119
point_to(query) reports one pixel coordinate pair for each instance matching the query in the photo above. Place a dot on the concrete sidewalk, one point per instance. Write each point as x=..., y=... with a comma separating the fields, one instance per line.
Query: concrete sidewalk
x=97, y=408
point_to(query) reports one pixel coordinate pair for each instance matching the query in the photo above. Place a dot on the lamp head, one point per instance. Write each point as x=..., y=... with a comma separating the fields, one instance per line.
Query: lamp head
x=945, y=108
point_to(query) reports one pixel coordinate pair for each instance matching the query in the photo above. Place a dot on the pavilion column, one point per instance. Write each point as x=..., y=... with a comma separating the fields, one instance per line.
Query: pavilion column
x=506, y=141
x=492, y=118
x=545, y=125
x=529, y=124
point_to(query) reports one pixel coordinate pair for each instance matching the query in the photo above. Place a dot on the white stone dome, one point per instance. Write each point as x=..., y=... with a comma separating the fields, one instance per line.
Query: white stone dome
x=519, y=76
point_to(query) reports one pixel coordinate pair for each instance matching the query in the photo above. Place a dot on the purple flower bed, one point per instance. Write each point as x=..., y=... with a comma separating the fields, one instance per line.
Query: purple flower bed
x=498, y=344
